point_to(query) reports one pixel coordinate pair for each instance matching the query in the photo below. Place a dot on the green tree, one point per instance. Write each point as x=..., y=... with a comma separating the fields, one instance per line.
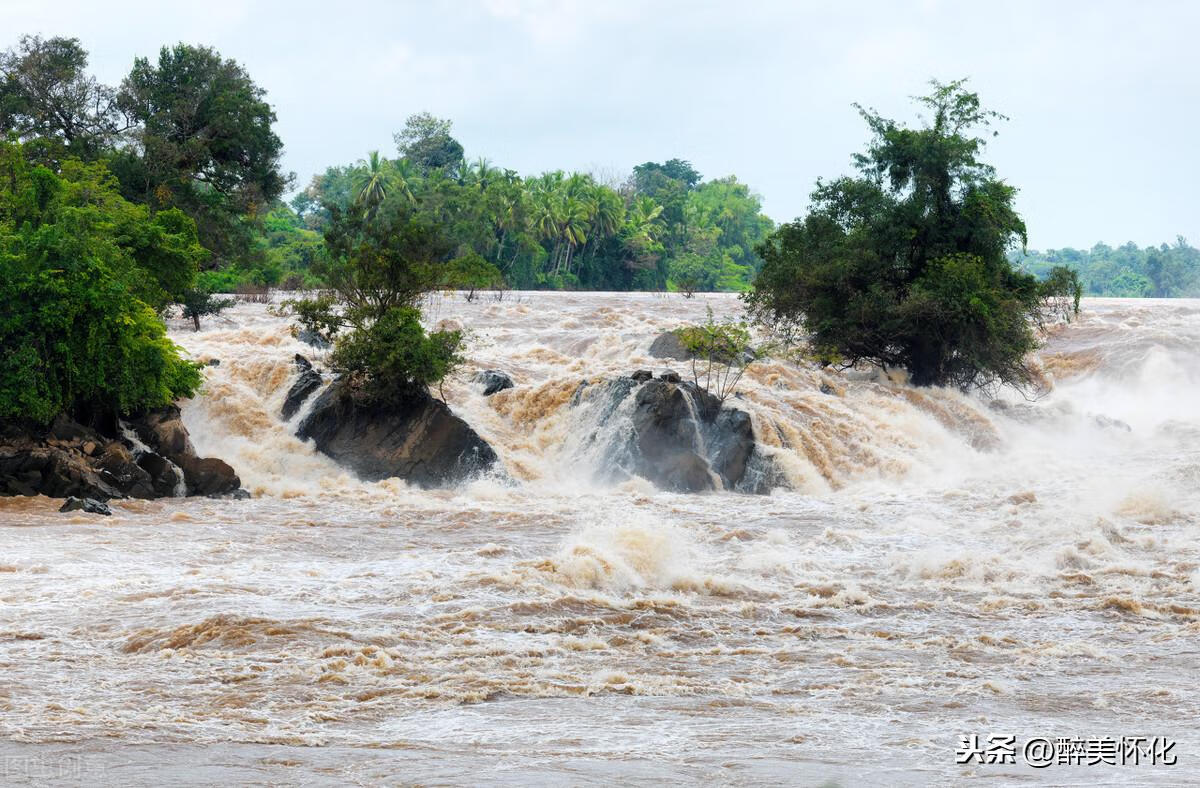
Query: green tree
x=46, y=93
x=905, y=265
x=377, y=271
x=76, y=333
x=426, y=142
x=205, y=144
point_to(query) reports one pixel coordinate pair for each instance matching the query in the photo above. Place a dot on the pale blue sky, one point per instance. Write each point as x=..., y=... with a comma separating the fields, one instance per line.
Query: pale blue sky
x=1104, y=96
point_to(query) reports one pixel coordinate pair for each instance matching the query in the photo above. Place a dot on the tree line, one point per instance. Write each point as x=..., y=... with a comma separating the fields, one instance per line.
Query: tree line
x=1163, y=271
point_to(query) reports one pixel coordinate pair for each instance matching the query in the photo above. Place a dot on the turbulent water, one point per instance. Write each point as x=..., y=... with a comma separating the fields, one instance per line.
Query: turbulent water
x=941, y=565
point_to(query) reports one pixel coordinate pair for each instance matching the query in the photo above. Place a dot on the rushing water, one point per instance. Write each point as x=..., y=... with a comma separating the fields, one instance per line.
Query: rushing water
x=941, y=566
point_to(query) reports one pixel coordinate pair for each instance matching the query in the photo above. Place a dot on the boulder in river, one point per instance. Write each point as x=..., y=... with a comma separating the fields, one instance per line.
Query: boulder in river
x=669, y=345
x=309, y=381
x=148, y=456
x=492, y=380
x=416, y=438
x=675, y=435
x=89, y=505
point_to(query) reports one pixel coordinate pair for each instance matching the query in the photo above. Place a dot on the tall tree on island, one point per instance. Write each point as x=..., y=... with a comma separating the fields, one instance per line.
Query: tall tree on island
x=906, y=265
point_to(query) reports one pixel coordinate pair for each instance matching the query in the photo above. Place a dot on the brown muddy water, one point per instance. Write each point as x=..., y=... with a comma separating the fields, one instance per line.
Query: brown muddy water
x=941, y=566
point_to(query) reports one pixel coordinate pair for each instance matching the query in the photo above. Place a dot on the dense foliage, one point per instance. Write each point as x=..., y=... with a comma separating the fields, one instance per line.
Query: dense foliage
x=906, y=265
x=384, y=255
x=1126, y=272
x=82, y=273
x=664, y=228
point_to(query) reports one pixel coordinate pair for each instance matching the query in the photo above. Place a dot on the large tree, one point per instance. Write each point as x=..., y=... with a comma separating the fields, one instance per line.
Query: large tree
x=46, y=93
x=905, y=265
x=205, y=144
x=426, y=142
x=82, y=272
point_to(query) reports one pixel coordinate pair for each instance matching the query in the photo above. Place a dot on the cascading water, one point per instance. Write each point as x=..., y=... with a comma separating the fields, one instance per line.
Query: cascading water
x=934, y=564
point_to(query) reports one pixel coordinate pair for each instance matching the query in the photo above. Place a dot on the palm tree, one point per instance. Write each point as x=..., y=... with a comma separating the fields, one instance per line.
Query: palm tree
x=405, y=176
x=573, y=226
x=372, y=183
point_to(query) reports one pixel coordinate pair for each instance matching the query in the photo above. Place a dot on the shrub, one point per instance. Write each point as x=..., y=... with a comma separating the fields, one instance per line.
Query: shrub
x=83, y=274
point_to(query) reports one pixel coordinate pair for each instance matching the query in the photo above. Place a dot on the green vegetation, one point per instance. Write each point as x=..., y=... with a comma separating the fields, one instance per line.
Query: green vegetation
x=384, y=256
x=83, y=273
x=1126, y=271
x=905, y=265
x=663, y=229
x=721, y=352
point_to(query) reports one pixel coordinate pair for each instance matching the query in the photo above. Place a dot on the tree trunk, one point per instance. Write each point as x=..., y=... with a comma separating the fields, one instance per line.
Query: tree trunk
x=196, y=320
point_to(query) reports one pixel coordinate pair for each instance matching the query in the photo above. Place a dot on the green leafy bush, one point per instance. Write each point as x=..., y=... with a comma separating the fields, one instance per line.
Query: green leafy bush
x=82, y=275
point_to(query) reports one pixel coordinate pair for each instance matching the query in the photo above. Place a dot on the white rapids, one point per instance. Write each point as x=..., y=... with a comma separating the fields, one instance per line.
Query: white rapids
x=940, y=565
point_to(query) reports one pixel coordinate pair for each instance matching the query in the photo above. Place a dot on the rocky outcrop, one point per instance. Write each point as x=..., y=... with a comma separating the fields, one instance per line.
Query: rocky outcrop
x=669, y=345
x=89, y=505
x=309, y=381
x=489, y=381
x=673, y=434
x=417, y=438
x=150, y=456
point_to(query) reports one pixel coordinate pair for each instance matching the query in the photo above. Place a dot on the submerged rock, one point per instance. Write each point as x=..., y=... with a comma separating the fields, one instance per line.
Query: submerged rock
x=669, y=345
x=491, y=381
x=309, y=381
x=417, y=439
x=675, y=435
x=89, y=505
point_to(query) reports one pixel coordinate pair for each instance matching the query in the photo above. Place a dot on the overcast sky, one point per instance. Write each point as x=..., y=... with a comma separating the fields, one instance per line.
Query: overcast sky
x=1104, y=96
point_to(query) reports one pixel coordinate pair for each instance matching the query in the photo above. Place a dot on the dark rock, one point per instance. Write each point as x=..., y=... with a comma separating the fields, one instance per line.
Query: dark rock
x=669, y=345
x=492, y=380
x=676, y=435
x=827, y=389
x=240, y=494
x=214, y=362
x=89, y=505
x=209, y=476
x=417, y=438
x=642, y=375
x=64, y=428
x=163, y=432
x=165, y=476
x=670, y=376
x=155, y=458
x=309, y=381
x=28, y=468
x=309, y=337
x=118, y=467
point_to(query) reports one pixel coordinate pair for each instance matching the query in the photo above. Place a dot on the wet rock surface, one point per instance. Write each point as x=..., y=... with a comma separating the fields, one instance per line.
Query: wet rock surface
x=673, y=434
x=669, y=345
x=417, y=439
x=147, y=456
x=489, y=381
x=309, y=381
x=89, y=505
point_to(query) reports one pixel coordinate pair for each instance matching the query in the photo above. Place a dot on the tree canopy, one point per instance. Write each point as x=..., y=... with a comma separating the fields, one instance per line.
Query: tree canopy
x=82, y=272
x=905, y=264
x=204, y=143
